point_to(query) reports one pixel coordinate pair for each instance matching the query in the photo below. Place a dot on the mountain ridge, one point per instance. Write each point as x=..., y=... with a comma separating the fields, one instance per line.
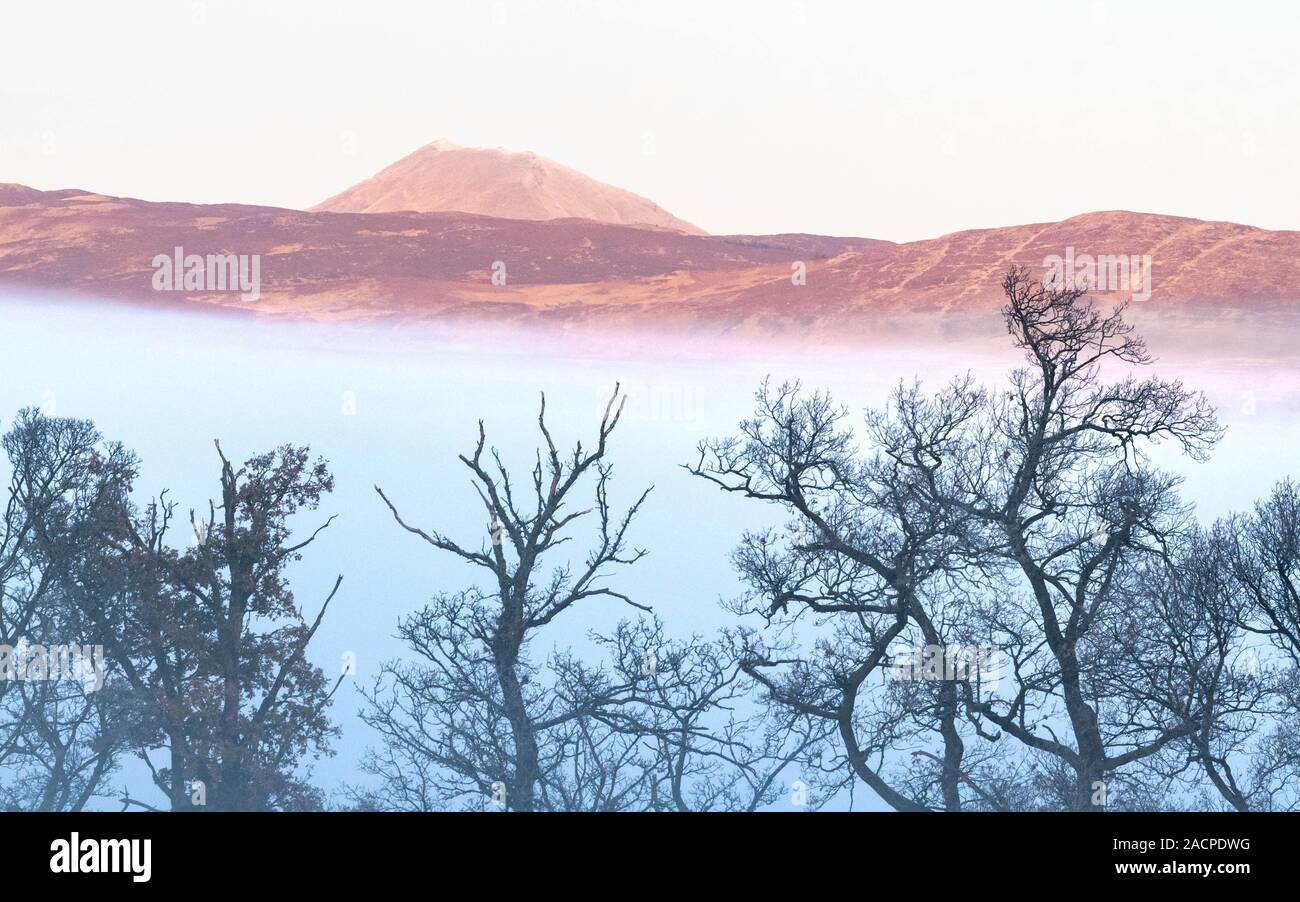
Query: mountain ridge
x=582, y=274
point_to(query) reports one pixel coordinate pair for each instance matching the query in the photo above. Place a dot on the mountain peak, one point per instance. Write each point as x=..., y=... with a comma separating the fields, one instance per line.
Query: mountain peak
x=444, y=176
x=442, y=144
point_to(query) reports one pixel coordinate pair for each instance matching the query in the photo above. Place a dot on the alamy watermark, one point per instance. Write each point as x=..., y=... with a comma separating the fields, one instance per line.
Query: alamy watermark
x=974, y=663
x=215, y=272
x=27, y=662
x=1104, y=272
x=660, y=402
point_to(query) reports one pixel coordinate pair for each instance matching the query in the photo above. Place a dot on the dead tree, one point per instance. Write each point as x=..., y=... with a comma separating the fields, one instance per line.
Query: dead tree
x=477, y=721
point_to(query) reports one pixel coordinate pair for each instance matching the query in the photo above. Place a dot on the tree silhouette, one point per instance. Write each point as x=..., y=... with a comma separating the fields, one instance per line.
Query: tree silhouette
x=477, y=721
x=61, y=733
x=211, y=639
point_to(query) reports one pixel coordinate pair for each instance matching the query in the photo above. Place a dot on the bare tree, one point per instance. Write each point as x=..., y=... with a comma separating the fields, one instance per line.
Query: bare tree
x=1198, y=615
x=477, y=719
x=1027, y=520
x=871, y=557
x=1263, y=552
x=1056, y=465
x=711, y=749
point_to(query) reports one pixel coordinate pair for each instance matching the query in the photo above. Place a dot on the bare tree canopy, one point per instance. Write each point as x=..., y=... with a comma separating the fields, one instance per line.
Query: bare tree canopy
x=985, y=597
x=1027, y=522
x=478, y=722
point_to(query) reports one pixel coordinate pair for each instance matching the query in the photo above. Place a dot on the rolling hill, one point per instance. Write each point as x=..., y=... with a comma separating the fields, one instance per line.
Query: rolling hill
x=580, y=274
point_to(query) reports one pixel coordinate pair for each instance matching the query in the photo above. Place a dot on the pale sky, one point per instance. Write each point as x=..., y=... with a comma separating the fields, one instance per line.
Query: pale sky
x=899, y=120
